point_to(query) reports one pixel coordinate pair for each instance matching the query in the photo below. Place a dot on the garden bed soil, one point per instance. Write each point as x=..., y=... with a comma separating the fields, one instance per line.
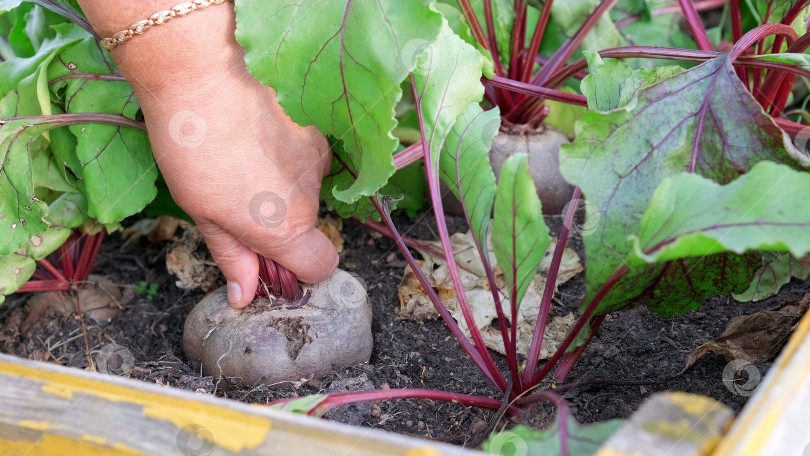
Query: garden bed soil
x=635, y=354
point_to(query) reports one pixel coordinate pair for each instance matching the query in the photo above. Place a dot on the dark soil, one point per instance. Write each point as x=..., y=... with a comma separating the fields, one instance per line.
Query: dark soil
x=632, y=348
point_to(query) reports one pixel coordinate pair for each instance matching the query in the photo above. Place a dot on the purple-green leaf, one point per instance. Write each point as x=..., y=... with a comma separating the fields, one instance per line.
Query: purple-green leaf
x=703, y=120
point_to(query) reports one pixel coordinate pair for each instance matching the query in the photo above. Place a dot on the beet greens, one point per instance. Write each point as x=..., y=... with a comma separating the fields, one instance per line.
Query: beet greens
x=691, y=179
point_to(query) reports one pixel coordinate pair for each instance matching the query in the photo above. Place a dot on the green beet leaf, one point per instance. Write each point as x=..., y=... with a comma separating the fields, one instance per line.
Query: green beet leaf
x=579, y=440
x=703, y=116
x=22, y=80
x=778, y=268
x=612, y=84
x=519, y=234
x=571, y=14
x=64, y=213
x=21, y=212
x=458, y=133
x=455, y=18
x=118, y=171
x=407, y=189
x=15, y=270
x=343, y=174
x=447, y=78
x=337, y=65
x=799, y=60
x=302, y=405
x=690, y=216
x=465, y=167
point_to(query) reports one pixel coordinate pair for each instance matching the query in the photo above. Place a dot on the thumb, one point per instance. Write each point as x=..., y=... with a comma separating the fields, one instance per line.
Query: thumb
x=238, y=263
x=311, y=256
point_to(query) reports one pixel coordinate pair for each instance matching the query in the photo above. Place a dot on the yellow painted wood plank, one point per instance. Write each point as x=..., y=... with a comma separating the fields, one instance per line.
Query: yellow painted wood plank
x=776, y=420
x=52, y=410
x=669, y=424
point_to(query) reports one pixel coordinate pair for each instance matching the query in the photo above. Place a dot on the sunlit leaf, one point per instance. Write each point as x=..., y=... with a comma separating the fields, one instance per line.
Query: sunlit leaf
x=337, y=65
x=519, y=234
x=577, y=439
x=768, y=208
x=465, y=167
x=612, y=84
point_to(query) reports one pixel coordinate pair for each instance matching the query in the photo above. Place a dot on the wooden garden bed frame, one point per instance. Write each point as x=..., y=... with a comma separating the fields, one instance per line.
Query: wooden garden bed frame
x=52, y=410
x=46, y=409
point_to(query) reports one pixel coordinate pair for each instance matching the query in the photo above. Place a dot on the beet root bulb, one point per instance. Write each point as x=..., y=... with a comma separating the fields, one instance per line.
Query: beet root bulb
x=273, y=341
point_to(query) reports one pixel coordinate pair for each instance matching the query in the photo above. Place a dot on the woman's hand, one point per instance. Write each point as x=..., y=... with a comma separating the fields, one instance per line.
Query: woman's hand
x=247, y=174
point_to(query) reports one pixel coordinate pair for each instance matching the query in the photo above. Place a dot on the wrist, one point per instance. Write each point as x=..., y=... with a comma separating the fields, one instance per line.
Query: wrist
x=189, y=54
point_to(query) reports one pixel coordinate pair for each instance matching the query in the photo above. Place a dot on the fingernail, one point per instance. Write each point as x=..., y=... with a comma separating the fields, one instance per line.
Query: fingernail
x=234, y=292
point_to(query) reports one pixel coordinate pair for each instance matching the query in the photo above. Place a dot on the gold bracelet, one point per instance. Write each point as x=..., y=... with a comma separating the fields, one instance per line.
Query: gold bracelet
x=159, y=18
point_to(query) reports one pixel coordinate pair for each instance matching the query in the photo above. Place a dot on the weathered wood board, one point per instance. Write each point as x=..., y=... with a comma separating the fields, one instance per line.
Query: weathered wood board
x=52, y=410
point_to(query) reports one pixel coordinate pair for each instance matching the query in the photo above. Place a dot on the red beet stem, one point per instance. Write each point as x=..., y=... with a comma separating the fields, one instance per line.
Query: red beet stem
x=277, y=281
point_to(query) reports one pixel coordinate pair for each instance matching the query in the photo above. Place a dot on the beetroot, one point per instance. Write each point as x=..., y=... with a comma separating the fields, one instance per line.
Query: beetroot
x=543, y=148
x=275, y=339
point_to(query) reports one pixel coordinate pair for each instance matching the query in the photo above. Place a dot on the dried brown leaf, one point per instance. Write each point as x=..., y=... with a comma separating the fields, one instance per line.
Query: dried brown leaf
x=415, y=304
x=756, y=337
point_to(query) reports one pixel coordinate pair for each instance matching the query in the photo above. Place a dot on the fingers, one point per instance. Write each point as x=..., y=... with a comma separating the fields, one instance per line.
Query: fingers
x=238, y=263
x=311, y=256
x=327, y=165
